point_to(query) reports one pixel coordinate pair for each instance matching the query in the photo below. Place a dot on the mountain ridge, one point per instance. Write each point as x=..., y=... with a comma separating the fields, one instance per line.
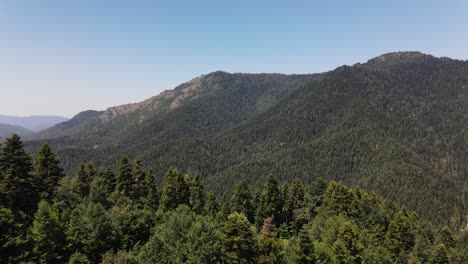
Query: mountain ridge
x=393, y=124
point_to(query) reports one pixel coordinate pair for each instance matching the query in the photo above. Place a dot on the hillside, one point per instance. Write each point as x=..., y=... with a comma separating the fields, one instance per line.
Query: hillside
x=33, y=123
x=7, y=130
x=396, y=125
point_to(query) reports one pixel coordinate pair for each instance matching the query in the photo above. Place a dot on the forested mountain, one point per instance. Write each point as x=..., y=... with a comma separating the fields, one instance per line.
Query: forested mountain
x=396, y=125
x=104, y=215
x=8, y=130
x=33, y=123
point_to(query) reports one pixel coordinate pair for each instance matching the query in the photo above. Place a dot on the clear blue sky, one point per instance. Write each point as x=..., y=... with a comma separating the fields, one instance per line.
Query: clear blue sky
x=62, y=57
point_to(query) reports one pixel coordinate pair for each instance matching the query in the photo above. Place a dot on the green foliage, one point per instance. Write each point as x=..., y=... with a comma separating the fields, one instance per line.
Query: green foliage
x=89, y=221
x=197, y=195
x=400, y=237
x=47, y=171
x=90, y=231
x=347, y=247
x=242, y=201
x=124, y=177
x=305, y=251
x=440, y=255
x=175, y=192
x=48, y=235
x=17, y=186
x=238, y=239
x=272, y=201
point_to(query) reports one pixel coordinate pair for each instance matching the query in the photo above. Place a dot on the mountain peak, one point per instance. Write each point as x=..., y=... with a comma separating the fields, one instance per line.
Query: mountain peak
x=398, y=57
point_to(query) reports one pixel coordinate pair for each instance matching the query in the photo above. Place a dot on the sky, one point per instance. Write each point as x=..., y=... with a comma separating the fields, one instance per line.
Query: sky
x=64, y=57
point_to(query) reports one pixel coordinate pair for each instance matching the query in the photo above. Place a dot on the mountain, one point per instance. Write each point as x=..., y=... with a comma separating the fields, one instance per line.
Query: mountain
x=33, y=123
x=397, y=125
x=7, y=130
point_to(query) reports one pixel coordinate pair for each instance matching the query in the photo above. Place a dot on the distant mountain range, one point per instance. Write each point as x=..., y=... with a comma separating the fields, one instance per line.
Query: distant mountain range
x=7, y=130
x=397, y=125
x=33, y=123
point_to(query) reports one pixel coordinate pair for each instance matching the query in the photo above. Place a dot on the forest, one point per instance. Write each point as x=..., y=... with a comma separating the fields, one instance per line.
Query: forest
x=127, y=215
x=396, y=125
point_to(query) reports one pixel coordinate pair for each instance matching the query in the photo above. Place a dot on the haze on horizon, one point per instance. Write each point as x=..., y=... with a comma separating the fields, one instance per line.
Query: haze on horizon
x=63, y=57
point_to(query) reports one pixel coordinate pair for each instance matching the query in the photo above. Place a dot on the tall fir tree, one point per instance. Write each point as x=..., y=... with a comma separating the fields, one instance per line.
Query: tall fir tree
x=238, y=239
x=400, y=236
x=47, y=171
x=305, y=251
x=242, y=201
x=212, y=206
x=197, y=195
x=17, y=185
x=272, y=202
x=124, y=177
x=139, y=187
x=48, y=235
x=440, y=255
x=175, y=191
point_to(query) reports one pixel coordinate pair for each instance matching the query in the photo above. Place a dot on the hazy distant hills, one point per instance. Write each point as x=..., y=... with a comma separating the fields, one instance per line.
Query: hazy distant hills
x=33, y=123
x=397, y=124
x=7, y=130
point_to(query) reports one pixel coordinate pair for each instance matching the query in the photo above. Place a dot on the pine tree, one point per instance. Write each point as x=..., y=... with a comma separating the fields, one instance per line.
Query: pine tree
x=400, y=237
x=272, y=203
x=212, y=206
x=242, y=202
x=305, y=253
x=17, y=186
x=82, y=181
x=197, y=195
x=139, y=188
x=124, y=177
x=446, y=237
x=48, y=235
x=175, y=191
x=440, y=255
x=348, y=249
x=47, y=171
x=238, y=239
x=293, y=201
x=152, y=198
x=110, y=180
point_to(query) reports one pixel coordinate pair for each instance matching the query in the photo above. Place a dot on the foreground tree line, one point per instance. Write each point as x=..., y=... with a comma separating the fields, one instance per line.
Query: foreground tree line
x=122, y=216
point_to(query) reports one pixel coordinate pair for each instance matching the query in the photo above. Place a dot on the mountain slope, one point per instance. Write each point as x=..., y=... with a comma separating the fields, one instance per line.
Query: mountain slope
x=396, y=125
x=7, y=130
x=34, y=123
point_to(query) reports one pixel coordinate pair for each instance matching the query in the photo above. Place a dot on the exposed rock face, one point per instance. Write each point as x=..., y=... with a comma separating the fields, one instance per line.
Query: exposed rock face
x=176, y=97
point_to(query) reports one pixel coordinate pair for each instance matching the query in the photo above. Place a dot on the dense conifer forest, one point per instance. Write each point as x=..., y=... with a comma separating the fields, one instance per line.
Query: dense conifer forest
x=125, y=214
x=396, y=125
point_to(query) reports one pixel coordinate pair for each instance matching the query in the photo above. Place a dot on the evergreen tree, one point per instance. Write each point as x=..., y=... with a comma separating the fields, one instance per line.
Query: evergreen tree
x=110, y=180
x=339, y=199
x=238, y=239
x=272, y=203
x=294, y=200
x=440, y=255
x=400, y=237
x=212, y=206
x=305, y=252
x=90, y=231
x=348, y=249
x=152, y=198
x=197, y=195
x=175, y=191
x=48, y=235
x=47, y=171
x=124, y=177
x=242, y=202
x=82, y=181
x=17, y=185
x=139, y=187
x=446, y=237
